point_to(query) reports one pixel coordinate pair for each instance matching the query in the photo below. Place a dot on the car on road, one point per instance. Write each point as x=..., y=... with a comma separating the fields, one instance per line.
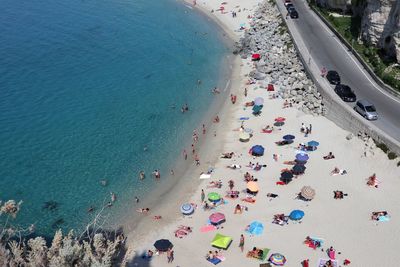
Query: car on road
x=345, y=93
x=288, y=6
x=366, y=109
x=333, y=77
x=293, y=14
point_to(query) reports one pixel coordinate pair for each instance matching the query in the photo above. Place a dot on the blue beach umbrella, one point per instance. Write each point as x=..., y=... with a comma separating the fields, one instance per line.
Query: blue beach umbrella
x=255, y=228
x=313, y=143
x=302, y=157
x=288, y=137
x=257, y=150
x=296, y=215
x=187, y=209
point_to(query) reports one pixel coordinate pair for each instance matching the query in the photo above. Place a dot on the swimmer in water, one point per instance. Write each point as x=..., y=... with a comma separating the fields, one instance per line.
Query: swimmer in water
x=113, y=197
x=142, y=175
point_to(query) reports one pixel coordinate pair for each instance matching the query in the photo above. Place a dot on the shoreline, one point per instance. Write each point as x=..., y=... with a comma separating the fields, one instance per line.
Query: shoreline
x=207, y=146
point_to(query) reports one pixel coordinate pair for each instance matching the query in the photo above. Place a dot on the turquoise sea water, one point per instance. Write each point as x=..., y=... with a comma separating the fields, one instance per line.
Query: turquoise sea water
x=84, y=87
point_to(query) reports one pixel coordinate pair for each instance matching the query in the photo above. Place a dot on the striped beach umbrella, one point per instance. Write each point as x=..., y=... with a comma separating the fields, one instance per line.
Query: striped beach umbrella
x=277, y=259
x=187, y=209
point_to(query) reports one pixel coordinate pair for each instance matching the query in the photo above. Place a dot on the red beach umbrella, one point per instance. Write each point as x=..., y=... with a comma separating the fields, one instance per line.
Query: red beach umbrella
x=255, y=56
x=280, y=119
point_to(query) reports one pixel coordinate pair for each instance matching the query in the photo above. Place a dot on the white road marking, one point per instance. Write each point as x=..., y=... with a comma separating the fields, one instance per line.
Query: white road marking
x=351, y=57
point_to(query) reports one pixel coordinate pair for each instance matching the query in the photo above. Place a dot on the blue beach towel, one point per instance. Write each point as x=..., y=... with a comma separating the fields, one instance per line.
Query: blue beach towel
x=214, y=261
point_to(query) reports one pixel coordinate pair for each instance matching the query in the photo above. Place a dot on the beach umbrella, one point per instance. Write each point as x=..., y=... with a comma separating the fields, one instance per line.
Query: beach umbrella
x=258, y=101
x=307, y=192
x=296, y=215
x=286, y=174
x=313, y=143
x=253, y=56
x=187, y=209
x=280, y=119
x=286, y=177
x=163, y=245
x=302, y=157
x=288, y=137
x=217, y=218
x=214, y=197
x=252, y=186
x=221, y=241
x=244, y=137
x=257, y=109
x=277, y=259
x=255, y=228
x=257, y=150
x=298, y=168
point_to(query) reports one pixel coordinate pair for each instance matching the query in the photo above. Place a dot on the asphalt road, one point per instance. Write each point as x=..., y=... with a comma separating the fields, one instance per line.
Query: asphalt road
x=327, y=50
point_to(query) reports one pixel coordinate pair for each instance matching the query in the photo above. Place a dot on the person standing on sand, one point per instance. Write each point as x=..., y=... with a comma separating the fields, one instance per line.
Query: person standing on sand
x=204, y=129
x=309, y=129
x=245, y=92
x=241, y=242
x=203, y=195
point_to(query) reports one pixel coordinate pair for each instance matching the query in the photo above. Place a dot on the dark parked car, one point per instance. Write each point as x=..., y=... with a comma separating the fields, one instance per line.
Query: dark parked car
x=289, y=6
x=333, y=77
x=345, y=93
x=293, y=14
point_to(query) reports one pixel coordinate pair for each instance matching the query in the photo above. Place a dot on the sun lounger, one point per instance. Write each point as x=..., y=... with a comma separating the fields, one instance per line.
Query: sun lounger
x=208, y=228
x=255, y=255
x=214, y=261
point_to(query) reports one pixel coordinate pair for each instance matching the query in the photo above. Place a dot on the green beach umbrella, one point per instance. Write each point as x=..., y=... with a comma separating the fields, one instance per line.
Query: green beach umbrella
x=221, y=241
x=214, y=196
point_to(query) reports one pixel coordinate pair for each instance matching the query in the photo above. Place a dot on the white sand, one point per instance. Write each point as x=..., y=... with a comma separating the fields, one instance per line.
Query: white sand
x=344, y=224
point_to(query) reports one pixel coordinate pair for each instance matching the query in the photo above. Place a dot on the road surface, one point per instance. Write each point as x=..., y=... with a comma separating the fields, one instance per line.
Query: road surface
x=327, y=51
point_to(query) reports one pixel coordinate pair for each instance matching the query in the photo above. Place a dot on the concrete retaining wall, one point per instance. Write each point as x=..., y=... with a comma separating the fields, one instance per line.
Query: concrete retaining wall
x=336, y=110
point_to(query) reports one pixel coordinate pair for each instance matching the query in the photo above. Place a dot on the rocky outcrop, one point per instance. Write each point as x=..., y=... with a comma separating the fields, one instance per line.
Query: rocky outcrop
x=279, y=62
x=380, y=25
x=343, y=5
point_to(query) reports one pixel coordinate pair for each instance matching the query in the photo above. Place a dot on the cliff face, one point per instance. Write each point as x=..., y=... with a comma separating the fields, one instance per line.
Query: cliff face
x=380, y=25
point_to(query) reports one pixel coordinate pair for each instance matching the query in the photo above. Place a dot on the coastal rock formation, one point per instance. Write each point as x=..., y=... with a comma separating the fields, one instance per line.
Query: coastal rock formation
x=380, y=25
x=279, y=63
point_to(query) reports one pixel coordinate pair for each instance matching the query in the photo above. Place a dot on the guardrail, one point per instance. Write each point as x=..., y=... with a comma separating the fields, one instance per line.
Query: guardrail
x=371, y=72
x=337, y=111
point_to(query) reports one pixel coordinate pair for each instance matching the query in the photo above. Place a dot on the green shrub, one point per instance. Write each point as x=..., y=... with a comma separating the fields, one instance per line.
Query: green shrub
x=383, y=147
x=392, y=155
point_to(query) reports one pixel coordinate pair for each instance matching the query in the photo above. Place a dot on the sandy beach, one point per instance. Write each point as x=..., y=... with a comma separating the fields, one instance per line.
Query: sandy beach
x=345, y=224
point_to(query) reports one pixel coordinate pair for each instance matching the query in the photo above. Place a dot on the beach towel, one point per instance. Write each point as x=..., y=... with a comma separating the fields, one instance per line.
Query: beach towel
x=205, y=176
x=214, y=261
x=322, y=262
x=383, y=218
x=208, y=228
x=221, y=258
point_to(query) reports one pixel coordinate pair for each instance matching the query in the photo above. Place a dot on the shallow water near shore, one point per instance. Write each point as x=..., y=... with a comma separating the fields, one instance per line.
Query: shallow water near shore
x=84, y=87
